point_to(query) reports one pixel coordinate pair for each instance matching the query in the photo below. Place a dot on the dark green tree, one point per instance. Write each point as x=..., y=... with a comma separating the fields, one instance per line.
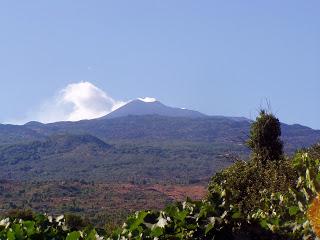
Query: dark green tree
x=264, y=140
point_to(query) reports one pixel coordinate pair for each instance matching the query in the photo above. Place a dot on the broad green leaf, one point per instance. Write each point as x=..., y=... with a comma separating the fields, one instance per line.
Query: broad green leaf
x=10, y=235
x=18, y=232
x=208, y=228
x=138, y=220
x=236, y=215
x=91, y=235
x=29, y=225
x=73, y=236
x=293, y=210
x=157, y=232
x=264, y=224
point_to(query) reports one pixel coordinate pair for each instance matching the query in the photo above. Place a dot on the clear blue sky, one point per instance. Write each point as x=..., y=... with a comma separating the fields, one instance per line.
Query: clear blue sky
x=218, y=57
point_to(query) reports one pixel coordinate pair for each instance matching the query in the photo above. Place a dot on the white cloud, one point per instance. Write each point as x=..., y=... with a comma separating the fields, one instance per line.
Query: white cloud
x=75, y=102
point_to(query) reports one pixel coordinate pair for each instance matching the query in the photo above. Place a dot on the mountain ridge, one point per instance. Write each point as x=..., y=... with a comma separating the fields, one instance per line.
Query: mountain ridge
x=142, y=107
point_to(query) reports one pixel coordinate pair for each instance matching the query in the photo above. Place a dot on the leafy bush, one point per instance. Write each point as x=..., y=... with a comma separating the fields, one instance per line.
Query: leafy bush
x=75, y=222
x=243, y=182
x=43, y=227
x=288, y=212
x=187, y=220
x=21, y=214
x=264, y=140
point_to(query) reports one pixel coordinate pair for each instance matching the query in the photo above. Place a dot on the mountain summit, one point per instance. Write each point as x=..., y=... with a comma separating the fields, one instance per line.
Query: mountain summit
x=150, y=106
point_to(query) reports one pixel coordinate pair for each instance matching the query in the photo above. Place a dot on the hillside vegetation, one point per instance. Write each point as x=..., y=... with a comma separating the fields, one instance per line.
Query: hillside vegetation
x=152, y=147
x=268, y=196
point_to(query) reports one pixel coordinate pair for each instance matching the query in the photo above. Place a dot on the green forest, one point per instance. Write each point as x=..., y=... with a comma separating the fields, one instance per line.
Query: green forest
x=268, y=196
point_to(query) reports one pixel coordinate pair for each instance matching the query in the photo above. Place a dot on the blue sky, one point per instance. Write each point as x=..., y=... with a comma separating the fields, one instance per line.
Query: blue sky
x=218, y=57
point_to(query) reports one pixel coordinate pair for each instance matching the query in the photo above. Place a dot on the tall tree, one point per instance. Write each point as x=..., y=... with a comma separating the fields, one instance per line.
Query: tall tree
x=264, y=140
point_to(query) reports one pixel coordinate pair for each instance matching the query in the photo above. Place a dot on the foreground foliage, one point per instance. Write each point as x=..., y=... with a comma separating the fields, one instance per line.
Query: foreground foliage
x=277, y=215
x=43, y=227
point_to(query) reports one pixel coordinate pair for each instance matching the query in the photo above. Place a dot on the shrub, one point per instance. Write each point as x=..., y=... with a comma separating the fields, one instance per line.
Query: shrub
x=243, y=182
x=21, y=214
x=75, y=222
x=264, y=138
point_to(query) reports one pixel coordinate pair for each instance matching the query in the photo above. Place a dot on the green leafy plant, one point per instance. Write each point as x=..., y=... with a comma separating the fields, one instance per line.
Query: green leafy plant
x=43, y=227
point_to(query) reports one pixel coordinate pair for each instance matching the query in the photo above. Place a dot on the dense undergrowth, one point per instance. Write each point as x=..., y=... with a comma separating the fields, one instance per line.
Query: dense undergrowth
x=269, y=196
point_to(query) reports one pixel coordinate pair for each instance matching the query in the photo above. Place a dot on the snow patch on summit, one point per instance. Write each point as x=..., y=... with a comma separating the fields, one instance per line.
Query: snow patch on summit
x=148, y=99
